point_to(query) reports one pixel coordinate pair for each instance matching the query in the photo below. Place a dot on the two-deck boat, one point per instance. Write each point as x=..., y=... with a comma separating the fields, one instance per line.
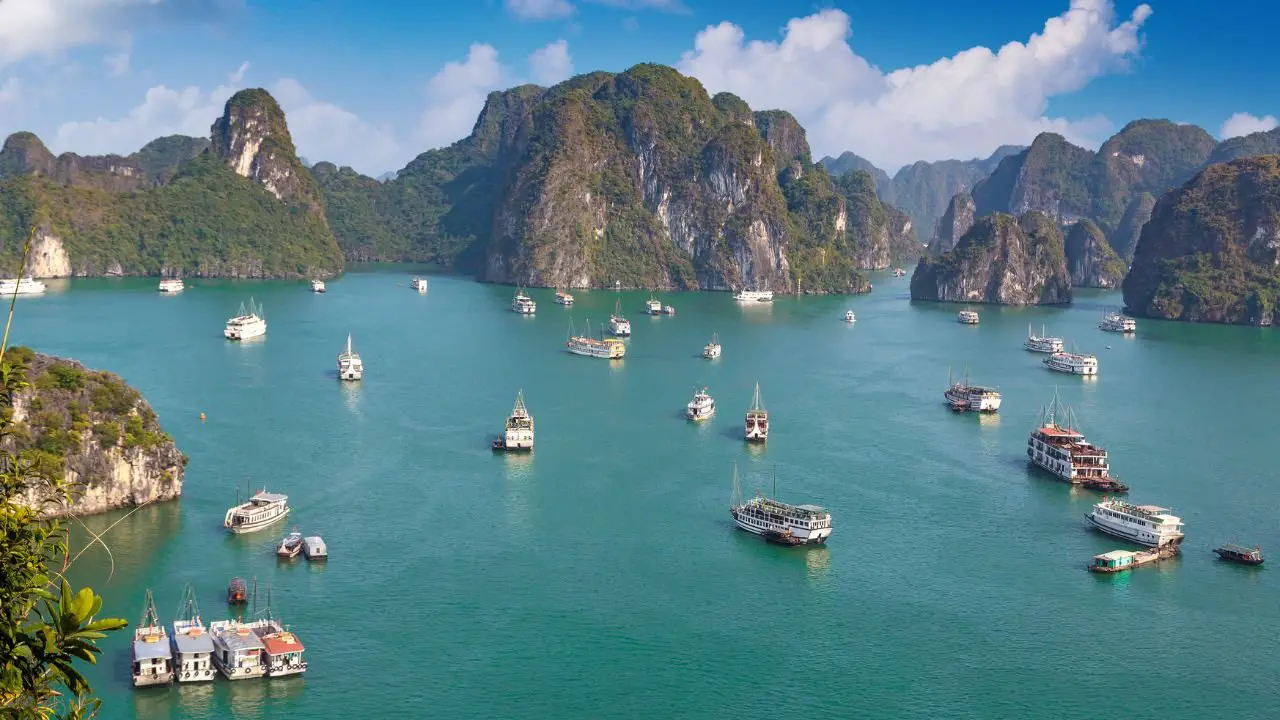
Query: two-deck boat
x=238, y=653
x=756, y=426
x=619, y=325
x=192, y=646
x=247, y=323
x=701, y=407
x=523, y=304
x=602, y=347
x=1072, y=363
x=964, y=397
x=20, y=286
x=652, y=306
x=1148, y=525
x=350, y=366
x=518, y=435
x=317, y=286
x=1240, y=554
x=291, y=546
x=754, y=296
x=171, y=285
x=281, y=649
x=1056, y=446
x=777, y=521
x=152, y=656
x=419, y=284
x=1042, y=343
x=261, y=510
x=564, y=298
x=967, y=317
x=849, y=317
x=1115, y=322
x=711, y=350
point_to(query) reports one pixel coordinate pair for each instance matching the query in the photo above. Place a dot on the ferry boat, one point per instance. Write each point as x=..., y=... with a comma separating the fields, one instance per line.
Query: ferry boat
x=849, y=317
x=192, y=646
x=754, y=296
x=963, y=397
x=317, y=286
x=604, y=348
x=1056, y=446
x=619, y=325
x=246, y=324
x=237, y=650
x=523, y=304
x=1115, y=322
x=291, y=546
x=419, y=284
x=564, y=298
x=152, y=656
x=314, y=549
x=967, y=317
x=701, y=407
x=519, y=431
x=171, y=285
x=756, y=428
x=350, y=366
x=1042, y=343
x=21, y=286
x=1239, y=554
x=262, y=509
x=776, y=520
x=711, y=350
x=1142, y=524
x=281, y=649
x=652, y=306
x=1072, y=363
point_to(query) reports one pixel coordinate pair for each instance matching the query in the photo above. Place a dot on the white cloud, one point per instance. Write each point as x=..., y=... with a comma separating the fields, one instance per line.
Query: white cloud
x=456, y=94
x=238, y=75
x=324, y=131
x=671, y=6
x=163, y=111
x=1242, y=123
x=551, y=64
x=539, y=9
x=118, y=63
x=960, y=106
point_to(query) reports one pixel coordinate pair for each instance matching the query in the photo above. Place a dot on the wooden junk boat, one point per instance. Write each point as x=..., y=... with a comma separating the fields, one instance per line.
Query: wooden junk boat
x=237, y=593
x=1239, y=554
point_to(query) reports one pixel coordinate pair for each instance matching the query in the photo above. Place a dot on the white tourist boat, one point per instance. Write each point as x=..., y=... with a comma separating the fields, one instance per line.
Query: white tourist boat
x=652, y=306
x=317, y=286
x=152, y=656
x=21, y=286
x=350, y=366
x=563, y=298
x=1148, y=525
x=711, y=350
x=754, y=296
x=756, y=427
x=1072, y=363
x=1055, y=445
x=619, y=325
x=247, y=323
x=262, y=509
x=777, y=521
x=518, y=434
x=419, y=284
x=238, y=652
x=849, y=317
x=523, y=304
x=281, y=649
x=701, y=407
x=192, y=645
x=964, y=397
x=1042, y=343
x=602, y=347
x=967, y=317
x=1115, y=322
x=171, y=285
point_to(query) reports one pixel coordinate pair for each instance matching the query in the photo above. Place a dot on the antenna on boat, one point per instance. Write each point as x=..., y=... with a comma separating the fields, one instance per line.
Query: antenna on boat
x=737, y=487
x=774, y=492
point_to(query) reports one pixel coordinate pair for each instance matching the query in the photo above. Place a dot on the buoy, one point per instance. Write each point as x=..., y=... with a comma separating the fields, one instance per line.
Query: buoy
x=201, y=417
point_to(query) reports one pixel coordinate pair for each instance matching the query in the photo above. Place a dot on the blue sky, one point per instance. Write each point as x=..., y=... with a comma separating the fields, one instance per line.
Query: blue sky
x=371, y=84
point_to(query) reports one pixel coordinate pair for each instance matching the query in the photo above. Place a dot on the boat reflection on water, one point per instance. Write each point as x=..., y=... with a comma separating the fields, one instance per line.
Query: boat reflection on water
x=257, y=698
x=989, y=419
x=162, y=702
x=351, y=395
x=756, y=312
x=519, y=466
x=817, y=559
x=196, y=698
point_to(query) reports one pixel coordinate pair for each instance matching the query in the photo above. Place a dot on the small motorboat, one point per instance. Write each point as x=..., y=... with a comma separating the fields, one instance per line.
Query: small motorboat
x=291, y=546
x=237, y=594
x=1238, y=554
x=499, y=443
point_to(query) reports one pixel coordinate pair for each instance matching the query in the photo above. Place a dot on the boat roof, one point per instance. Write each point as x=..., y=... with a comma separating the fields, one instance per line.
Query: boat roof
x=264, y=496
x=281, y=642
x=1152, y=509
x=151, y=650
x=1115, y=555
x=188, y=642
x=315, y=542
x=811, y=508
x=1232, y=547
x=234, y=640
x=1055, y=431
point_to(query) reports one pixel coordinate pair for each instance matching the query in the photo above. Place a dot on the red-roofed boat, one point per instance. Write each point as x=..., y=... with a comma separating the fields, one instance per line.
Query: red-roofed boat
x=1056, y=446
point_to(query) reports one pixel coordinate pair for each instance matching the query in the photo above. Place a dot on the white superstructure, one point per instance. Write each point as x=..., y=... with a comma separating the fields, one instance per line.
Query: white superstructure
x=756, y=425
x=171, y=285
x=1056, y=446
x=523, y=304
x=262, y=509
x=849, y=317
x=1115, y=322
x=564, y=298
x=519, y=430
x=317, y=286
x=419, y=284
x=1143, y=524
x=350, y=366
x=802, y=524
x=192, y=645
x=967, y=317
x=1042, y=343
x=1072, y=363
x=652, y=306
x=701, y=407
x=23, y=286
x=754, y=296
x=963, y=397
x=152, y=656
x=618, y=324
x=711, y=350
x=603, y=347
x=247, y=323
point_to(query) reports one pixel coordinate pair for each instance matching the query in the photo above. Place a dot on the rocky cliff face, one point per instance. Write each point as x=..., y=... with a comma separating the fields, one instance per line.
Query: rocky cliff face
x=785, y=137
x=1251, y=145
x=954, y=223
x=48, y=258
x=849, y=162
x=1211, y=250
x=1090, y=260
x=1001, y=260
x=95, y=431
x=252, y=139
x=1125, y=238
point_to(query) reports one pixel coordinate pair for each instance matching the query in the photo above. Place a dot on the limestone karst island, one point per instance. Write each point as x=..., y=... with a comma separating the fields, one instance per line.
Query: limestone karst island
x=592, y=358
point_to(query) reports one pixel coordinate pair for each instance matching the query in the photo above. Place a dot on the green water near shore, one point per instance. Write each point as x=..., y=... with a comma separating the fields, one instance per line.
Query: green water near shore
x=601, y=576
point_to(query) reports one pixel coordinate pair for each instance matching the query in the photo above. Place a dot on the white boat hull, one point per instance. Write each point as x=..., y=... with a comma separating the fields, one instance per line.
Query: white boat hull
x=194, y=671
x=1133, y=535
x=1071, y=368
x=1046, y=347
x=256, y=526
x=245, y=332
x=711, y=352
x=241, y=673
x=806, y=536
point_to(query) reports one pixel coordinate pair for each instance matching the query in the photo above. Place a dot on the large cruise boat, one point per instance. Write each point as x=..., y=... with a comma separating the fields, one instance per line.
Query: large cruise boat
x=1143, y=524
x=701, y=407
x=963, y=397
x=618, y=324
x=23, y=286
x=777, y=521
x=756, y=428
x=192, y=646
x=1115, y=322
x=967, y=317
x=262, y=509
x=171, y=285
x=247, y=323
x=350, y=366
x=1056, y=446
x=518, y=434
x=523, y=304
x=603, y=347
x=1072, y=363
x=754, y=296
x=152, y=656
x=1042, y=343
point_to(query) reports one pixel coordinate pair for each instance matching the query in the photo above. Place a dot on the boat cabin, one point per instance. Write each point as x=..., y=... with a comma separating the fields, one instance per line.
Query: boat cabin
x=283, y=653
x=314, y=548
x=238, y=652
x=152, y=661
x=193, y=653
x=1114, y=561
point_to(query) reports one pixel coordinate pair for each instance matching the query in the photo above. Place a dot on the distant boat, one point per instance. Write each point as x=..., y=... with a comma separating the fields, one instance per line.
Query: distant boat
x=152, y=655
x=1238, y=554
x=22, y=286
x=419, y=284
x=779, y=522
x=523, y=304
x=711, y=350
x=247, y=323
x=652, y=306
x=1072, y=363
x=1148, y=525
x=962, y=397
x=619, y=325
x=350, y=366
x=317, y=286
x=1042, y=343
x=899, y=272
x=171, y=285
x=754, y=296
x=1115, y=322
x=518, y=434
x=756, y=428
x=262, y=509
x=849, y=317
x=564, y=298
x=701, y=407
x=967, y=317
x=603, y=347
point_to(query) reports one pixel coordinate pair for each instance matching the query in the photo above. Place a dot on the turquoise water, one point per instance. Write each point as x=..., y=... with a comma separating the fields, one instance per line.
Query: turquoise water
x=601, y=576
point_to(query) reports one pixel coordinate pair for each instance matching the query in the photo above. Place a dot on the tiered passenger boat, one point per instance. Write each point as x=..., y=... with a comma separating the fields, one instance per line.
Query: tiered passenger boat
x=1148, y=525
x=619, y=325
x=523, y=304
x=192, y=645
x=602, y=347
x=754, y=296
x=1115, y=322
x=247, y=323
x=652, y=306
x=564, y=298
x=779, y=522
x=967, y=317
x=701, y=407
x=171, y=285
x=419, y=284
x=1072, y=363
x=518, y=435
x=711, y=350
x=20, y=286
x=152, y=656
x=1042, y=343
x=1056, y=446
x=317, y=286
x=964, y=397
x=238, y=653
x=350, y=366
x=261, y=510
x=756, y=427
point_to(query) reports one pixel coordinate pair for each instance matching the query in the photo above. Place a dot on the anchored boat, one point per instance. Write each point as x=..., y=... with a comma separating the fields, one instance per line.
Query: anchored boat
x=317, y=286
x=262, y=509
x=967, y=317
x=21, y=286
x=1115, y=322
x=1238, y=554
x=237, y=650
x=652, y=306
x=1072, y=363
x=1042, y=343
x=757, y=424
x=350, y=366
x=849, y=317
x=604, y=348
x=291, y=546
x=152, y=656
x=701, y=407
x=711, y=350
x=247, y=323
x=419, y=284
x=754, y=296
x=963, y=397
x=171, y=285
x=518, y=434
x=1056, y=446
x=192, y=645
x=777, y=521
x=563, y=298
x=1122, y=560
x=281, y=649
x=237, y=593
x=619, y=325
x=1148, y=525
x=523, y=304
x=314, y=549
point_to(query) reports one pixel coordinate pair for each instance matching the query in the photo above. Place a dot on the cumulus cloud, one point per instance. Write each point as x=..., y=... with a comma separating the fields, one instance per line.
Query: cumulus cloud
x=456, y=93
x=539, y=9
x=1242, y=123
x=959, y=106
x=551, y=64
x=328, y=132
